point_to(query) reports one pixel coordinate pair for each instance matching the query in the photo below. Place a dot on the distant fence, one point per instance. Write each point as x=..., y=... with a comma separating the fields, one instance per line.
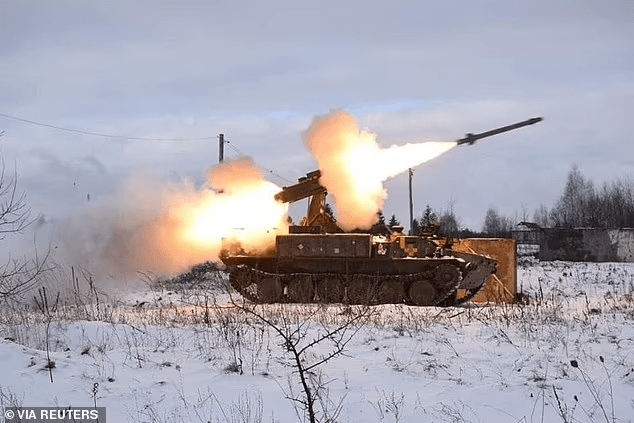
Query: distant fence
x=577, y=244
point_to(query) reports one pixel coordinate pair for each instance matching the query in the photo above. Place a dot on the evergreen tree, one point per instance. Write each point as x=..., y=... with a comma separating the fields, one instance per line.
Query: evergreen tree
x=394, y=221
x=381, y=217
x=429, y=217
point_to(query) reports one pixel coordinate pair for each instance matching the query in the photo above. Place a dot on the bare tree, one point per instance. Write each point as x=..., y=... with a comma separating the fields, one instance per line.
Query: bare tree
x=300, y=340
x=581, y=205
x=541, y=216
x=492, y=224
x=617, y=199
x=15, y=215
x=17, y=276
x=572, y=208
x=496, y=224
x=449, y=221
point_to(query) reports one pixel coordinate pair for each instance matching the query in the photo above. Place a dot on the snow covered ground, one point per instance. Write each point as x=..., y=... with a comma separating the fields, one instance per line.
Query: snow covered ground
x=186, y=354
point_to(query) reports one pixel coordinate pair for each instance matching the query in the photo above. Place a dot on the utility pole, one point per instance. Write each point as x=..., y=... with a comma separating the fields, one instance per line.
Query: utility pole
x=221, y=147
x=411, y=204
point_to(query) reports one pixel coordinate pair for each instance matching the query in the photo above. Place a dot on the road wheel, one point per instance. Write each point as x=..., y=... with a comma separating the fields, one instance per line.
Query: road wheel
x=447, y=274
x=330, y=289
x=391, y=291
x=270, y=290
x=422, y=293
x=240, y=278
x=300, y=289
x=361, y=290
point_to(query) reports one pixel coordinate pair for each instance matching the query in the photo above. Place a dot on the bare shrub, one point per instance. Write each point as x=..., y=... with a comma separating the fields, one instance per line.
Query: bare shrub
x=17, y=276
x=300, y=340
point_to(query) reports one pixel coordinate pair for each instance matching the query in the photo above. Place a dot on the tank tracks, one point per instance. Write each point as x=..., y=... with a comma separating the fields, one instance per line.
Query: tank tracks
x=454, y=300
x=474, y=279
x=427, y=288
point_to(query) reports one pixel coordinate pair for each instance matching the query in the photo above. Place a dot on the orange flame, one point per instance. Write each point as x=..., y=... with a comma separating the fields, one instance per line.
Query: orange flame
x=244, y=210
x=354, y=166
x=149, y=227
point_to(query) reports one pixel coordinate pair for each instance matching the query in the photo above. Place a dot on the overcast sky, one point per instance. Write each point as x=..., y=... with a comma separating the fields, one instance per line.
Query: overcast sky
x=259, y=72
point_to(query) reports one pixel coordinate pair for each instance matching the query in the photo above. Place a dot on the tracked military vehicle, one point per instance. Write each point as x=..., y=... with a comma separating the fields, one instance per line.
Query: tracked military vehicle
x=318, y=262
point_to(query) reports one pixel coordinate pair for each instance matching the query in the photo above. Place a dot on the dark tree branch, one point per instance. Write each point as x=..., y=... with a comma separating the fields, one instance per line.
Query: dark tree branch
x=293, y=333
x=17, y=277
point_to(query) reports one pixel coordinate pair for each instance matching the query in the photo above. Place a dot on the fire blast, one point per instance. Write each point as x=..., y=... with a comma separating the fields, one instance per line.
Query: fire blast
x=354, y=166
x=148, y=226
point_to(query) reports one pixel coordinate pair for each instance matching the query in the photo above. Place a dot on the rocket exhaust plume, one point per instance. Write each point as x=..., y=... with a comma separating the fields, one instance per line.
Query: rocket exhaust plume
x=166, y=229
x=354, y=167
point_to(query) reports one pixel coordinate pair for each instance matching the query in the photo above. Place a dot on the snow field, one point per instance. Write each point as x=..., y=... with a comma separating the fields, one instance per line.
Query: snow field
x=186, y=354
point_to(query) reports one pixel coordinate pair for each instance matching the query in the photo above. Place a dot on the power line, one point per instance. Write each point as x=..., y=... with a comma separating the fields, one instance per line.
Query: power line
x=240, y=153
x=96, y=134
x=276, y=175
x=234, y=148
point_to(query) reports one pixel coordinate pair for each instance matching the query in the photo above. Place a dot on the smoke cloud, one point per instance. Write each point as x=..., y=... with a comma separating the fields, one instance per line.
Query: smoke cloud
x=149, y=225
x=354, y=166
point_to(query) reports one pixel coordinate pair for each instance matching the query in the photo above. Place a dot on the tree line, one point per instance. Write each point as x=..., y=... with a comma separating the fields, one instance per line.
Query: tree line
x=582, y=205
x=610, y=206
